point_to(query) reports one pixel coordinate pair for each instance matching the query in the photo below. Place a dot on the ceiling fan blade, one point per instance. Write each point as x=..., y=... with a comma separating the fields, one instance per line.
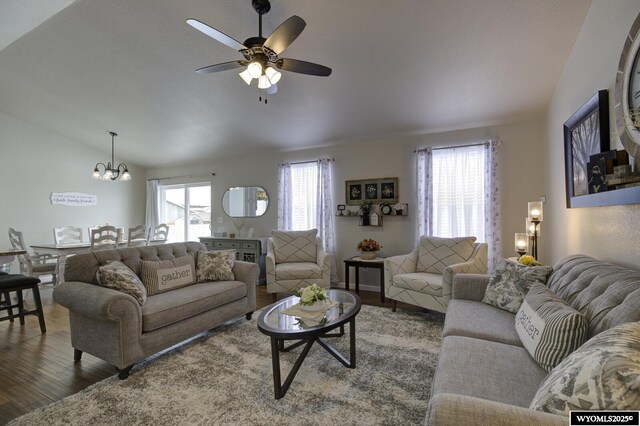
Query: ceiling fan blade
x=303, y=67
x=221, y=67
x=215, y=34
x=285, y=34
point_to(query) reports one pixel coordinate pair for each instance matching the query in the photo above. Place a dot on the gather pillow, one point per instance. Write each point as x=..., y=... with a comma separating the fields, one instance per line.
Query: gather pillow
x=159, y=276
x=118, y=276
x=510, y=282
x=295, y=246
x=549, y=328
x=601, y=375
x=215, y=265
x=435, y=254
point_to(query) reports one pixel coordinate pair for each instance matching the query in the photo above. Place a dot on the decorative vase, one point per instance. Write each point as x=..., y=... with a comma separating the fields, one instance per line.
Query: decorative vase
x=367, y=255
x=364, y=219
x=318, y=305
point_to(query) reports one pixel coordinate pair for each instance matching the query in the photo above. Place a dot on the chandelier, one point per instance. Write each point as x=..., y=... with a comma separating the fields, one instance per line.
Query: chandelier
x=110, y=173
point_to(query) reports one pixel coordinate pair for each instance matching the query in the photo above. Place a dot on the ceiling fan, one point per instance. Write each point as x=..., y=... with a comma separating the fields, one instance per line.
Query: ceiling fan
x=261, y=54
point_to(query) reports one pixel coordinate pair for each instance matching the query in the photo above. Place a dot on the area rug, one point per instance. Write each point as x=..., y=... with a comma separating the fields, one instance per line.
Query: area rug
x=225, y=378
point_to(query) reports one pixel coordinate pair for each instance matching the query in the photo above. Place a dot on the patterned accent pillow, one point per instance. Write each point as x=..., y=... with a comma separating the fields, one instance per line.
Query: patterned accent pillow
x=215, y=265
x=159, y=276
x=118, y=276
x=295, y=246
x=549, y=328
x=509, y=284
x=435, y=253
x=601, y=375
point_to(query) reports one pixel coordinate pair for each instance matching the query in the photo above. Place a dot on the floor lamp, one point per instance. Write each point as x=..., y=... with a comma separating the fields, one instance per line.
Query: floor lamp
x=534, y=219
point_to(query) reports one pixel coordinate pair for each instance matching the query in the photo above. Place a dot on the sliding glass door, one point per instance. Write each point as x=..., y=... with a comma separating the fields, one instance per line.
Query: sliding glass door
x=187, y=210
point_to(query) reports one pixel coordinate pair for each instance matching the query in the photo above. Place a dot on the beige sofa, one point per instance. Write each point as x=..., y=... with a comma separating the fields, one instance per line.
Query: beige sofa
x=111, y=325
x=484, y=374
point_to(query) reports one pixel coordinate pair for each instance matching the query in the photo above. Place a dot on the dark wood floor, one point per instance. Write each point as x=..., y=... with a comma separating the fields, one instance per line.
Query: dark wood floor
x=36, y=369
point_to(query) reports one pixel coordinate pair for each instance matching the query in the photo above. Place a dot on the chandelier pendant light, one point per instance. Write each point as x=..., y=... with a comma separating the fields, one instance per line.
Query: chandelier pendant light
x=110, y=173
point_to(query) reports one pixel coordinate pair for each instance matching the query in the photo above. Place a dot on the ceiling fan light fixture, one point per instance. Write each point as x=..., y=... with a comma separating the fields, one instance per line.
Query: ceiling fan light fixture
x=274, y=76
x=246, y=76
x=263, y=82
x=255, y=69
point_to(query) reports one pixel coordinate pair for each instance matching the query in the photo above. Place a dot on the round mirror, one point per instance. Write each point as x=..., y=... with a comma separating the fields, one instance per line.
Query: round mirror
x=245, y=201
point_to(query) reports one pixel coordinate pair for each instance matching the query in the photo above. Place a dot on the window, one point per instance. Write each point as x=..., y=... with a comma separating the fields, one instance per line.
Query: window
x=304, y=196
x=187, y=211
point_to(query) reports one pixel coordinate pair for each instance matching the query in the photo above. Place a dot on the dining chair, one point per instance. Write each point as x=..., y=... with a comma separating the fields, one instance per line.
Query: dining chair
x=138, y=236
x=67, y=235
x=33, y=265
x=105, y=238
x=161, y=232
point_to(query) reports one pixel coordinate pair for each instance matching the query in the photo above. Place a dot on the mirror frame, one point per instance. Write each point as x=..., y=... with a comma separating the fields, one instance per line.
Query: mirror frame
x=246, y=186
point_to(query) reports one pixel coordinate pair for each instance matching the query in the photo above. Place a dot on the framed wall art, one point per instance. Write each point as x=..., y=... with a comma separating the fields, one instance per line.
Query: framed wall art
x=378, y=191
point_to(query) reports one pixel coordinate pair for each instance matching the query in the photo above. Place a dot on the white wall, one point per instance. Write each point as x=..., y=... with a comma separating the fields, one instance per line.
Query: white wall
x=609, y=233
x=521, y=159
x=36, y=162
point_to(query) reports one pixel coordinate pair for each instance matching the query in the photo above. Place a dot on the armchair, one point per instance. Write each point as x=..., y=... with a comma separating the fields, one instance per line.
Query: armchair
x=424, y=277
x=294, y=260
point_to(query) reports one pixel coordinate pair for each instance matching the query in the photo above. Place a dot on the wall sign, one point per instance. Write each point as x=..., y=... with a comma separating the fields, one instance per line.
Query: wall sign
x=77, y=199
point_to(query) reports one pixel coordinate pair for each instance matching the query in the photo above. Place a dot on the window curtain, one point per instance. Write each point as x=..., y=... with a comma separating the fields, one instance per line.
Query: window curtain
x=284, y=197
x=458, y=194
x=152, y=217
x=324, y=213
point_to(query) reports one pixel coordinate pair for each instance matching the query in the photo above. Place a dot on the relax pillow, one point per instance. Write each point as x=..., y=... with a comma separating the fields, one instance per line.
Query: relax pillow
x=509, y=284
x=295, y=246
x=215, y=265
x=435, y=253
x=603, y=374
x=159, y=276
x=549, y=328
x=118, y=276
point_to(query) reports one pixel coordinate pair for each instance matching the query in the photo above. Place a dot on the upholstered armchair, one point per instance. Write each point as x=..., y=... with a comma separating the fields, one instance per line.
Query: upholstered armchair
x=295, y=259
x=424, y=277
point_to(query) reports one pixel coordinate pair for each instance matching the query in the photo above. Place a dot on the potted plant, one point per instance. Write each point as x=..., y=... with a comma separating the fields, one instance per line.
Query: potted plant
x=368, y=249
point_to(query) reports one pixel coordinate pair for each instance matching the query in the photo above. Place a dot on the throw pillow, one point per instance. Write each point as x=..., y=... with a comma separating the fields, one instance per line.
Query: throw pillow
x=216, y=265
x=601, y=375
x=159, y=276
x=549, y=328
x=295, y=246
x=435, y=253
x=509, y=284
x=118, y=276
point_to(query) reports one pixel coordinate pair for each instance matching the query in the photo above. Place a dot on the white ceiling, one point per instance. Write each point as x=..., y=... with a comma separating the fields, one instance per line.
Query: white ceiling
x=403, y=66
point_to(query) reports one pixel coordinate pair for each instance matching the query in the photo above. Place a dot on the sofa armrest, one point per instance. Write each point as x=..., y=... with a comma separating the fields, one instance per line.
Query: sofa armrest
x=248, y=273
x=396, y=265
x=469, y=286
x=97, y=302
x=460, y=410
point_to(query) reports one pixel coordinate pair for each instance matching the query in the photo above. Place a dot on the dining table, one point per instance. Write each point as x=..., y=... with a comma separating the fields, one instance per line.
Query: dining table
x=7, y=256
x=62, y=251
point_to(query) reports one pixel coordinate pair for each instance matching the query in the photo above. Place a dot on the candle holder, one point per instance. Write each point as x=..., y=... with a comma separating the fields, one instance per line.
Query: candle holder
x=521, y=243
x=533, y=221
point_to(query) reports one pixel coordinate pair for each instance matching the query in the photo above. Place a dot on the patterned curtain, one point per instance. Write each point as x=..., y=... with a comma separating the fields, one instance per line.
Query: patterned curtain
x=492, y=203
x=284, y=197
x=152, y=216
x=424, y=186
x=324, y=213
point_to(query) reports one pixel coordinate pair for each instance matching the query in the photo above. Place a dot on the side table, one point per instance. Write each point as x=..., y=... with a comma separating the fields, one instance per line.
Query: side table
x=357, y=262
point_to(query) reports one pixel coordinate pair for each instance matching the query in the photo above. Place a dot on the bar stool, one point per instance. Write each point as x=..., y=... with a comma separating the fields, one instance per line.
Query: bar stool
x=17, y=283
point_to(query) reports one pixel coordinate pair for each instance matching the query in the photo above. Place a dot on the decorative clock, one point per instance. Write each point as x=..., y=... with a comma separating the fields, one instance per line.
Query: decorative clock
x=627, y=106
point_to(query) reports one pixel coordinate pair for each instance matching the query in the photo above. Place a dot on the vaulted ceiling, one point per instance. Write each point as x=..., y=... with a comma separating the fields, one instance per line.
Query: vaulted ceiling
x=403, y=66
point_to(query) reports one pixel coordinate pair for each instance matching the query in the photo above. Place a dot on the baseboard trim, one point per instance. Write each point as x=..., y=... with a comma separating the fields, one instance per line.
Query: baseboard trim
x=352, y=287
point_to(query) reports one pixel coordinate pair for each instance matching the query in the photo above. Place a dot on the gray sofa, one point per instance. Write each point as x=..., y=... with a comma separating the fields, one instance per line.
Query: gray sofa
x=111, y=325
x=485, y=376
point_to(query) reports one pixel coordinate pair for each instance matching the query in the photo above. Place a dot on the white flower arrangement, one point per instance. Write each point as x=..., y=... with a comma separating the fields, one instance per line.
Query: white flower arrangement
x=311, y=294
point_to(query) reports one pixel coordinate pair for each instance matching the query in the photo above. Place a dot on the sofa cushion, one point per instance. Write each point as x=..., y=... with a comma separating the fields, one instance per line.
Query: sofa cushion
x=118, y=276
x=435, y=253
x=173, y=306
x=479, y=320
x=549, y=328
x=601, y=375
x=295, y=246
x=421, y=282
x=166, y=275
x=298, y=271
x=487, y=370
x=215, y=265
x=510, y=282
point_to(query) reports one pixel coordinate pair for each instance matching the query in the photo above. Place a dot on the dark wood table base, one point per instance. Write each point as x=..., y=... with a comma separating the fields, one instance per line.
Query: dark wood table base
x=357, y=264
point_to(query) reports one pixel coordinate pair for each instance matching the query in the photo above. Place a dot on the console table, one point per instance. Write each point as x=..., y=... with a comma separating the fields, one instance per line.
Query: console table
x=357, y=263
x=247, y=250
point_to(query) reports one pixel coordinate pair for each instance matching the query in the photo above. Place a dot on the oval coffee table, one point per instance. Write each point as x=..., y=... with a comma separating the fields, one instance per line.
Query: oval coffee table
x=280, y=327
